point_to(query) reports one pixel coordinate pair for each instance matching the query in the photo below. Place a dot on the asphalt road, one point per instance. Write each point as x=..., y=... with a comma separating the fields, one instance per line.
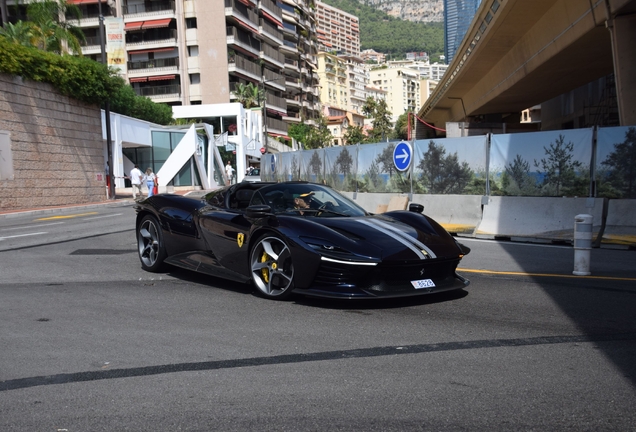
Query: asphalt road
x=90, y=342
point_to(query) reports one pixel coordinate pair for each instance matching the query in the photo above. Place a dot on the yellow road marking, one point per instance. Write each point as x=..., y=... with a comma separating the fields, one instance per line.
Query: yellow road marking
x=543, y=274
x=67, y=216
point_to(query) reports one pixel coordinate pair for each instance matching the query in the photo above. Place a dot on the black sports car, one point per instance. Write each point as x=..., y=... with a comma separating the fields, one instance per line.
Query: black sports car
x=299, y=237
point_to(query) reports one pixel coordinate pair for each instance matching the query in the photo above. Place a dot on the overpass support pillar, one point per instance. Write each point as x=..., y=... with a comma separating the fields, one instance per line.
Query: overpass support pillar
x=623, y=31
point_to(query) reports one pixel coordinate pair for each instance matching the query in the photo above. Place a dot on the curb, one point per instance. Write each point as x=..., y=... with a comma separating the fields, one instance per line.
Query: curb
x=48, y=210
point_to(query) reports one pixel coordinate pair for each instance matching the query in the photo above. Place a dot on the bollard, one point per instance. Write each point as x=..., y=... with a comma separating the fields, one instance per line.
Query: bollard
x=582, y=244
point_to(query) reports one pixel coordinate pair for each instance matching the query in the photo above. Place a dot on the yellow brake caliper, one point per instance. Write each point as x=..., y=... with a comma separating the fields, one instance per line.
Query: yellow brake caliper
x=265, y=270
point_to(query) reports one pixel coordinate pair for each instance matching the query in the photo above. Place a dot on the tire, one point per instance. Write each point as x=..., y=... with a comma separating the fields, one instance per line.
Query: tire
x=272, y=268
x=152, y=251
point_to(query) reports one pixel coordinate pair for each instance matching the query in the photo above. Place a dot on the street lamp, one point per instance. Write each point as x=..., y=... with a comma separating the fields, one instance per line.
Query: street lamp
x=102, y=43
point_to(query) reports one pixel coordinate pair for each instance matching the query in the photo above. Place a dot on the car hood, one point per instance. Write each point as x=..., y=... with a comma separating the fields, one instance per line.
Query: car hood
x=395, y=236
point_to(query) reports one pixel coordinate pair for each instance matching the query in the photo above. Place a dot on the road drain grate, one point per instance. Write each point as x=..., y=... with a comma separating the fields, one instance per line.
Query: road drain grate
x=102, y=251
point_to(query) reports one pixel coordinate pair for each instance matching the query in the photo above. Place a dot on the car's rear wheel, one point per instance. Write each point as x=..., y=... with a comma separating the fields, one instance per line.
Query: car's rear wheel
x=150, y=245
x=272, y=268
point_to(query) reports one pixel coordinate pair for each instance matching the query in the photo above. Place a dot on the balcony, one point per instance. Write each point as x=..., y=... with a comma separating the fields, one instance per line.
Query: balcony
x=276, y=103
x=271, y=11
x=160, y=92
x=239, y=12
x=273, y=56
x=289, y=46
x=158, y=65
x=276, y=126
x=151, y=38
x=243, y=66
x=149, y=8
x=274, y=80
x=244, y=40
x=271, y=31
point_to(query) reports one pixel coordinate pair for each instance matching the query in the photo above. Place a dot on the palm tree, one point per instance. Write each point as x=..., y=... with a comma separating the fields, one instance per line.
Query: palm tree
x=51, y=30
x=249, y=95
x=20, y=33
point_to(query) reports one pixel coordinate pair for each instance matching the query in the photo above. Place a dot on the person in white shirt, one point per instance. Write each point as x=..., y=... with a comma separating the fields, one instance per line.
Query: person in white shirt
x=136, y=177
x=150, y=181
x=229, y=171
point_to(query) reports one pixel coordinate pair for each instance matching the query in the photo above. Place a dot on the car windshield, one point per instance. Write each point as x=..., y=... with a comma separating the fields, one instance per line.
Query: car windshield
x=306, y=199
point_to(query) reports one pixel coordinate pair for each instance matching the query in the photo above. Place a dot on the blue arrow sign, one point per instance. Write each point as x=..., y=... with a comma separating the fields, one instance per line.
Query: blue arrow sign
x=402, y=156
x=273, y=166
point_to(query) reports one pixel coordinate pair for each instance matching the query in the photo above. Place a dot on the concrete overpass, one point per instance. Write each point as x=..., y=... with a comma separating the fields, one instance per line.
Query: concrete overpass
x=520, y=53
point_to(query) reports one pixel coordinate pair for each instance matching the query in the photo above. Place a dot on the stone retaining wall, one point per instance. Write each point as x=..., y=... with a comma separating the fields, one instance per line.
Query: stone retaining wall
x=56, y=146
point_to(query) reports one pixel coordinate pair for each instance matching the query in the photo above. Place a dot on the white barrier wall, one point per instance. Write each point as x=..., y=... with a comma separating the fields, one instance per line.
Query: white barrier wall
x=456, y=213
x=548, y=218
x=620, y=227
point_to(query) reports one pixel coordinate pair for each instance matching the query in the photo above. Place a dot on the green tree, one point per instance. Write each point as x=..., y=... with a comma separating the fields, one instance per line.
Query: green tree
x=443, y=174
x=622, y=162
x=125, y=101
x=51, y=30
x=249, y=95
x=20, y=33
x=401, y=130
x=319, y=136
x=299, y=131
x=378, y=110
x=559, y=168
x=354, y=135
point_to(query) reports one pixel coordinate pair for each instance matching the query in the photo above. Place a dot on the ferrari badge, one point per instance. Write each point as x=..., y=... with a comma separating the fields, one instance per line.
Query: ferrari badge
x=239, y=239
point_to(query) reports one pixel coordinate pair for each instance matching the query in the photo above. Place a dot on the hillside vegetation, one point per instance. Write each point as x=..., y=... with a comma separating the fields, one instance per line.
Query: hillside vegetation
x=393, y=36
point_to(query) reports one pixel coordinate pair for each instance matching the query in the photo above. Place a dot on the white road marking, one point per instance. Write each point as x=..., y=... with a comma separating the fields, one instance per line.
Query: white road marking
x=102, y=217
x=31, y=226
x=22, y=235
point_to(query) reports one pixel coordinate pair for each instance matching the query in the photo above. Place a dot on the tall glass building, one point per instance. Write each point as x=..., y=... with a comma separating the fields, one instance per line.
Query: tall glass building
x=458, y=15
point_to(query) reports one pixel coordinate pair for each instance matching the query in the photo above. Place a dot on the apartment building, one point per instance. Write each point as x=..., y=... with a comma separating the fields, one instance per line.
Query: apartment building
x=402, y=86
x=426, y=70
x=342, y=81
x=336, y=30
x=300, y=48
x=191, y=52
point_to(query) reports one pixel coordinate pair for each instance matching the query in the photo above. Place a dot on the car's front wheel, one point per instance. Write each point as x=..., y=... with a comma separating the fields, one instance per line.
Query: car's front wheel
x=272, y=268
x=150, y=244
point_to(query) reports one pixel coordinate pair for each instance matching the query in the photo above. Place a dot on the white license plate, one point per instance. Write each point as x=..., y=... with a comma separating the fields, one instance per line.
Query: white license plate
x=423, y=283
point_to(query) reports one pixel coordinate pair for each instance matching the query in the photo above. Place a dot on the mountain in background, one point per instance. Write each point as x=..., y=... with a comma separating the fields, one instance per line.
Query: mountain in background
x=395, y=36
x=410, y=10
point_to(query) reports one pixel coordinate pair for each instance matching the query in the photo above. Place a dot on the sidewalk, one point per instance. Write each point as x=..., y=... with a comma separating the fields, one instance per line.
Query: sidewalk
x=123, y=197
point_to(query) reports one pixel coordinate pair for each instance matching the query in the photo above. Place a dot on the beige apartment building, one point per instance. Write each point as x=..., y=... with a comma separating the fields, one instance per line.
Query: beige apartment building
x=190, y=52
x=336, y=30
x=402, y=86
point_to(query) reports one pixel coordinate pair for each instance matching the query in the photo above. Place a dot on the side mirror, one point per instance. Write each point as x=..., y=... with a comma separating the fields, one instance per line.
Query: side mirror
x=258, y=211
x=417, y=208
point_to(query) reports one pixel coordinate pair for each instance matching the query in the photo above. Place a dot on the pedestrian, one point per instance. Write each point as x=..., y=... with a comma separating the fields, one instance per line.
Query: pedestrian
x=229, y=171
x=151, y=181
x=136, y=177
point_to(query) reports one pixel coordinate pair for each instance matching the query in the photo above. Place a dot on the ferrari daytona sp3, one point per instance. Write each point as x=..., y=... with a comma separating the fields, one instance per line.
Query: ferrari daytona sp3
x=299, y=237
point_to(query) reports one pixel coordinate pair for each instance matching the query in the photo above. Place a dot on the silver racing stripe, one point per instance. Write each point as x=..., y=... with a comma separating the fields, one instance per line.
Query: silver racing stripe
x=425, y=249
x=390, y=233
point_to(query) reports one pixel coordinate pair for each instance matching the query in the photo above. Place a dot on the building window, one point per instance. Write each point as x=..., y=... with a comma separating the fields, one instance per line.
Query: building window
x=193, y=51
x=195, y=78
x=191, y=23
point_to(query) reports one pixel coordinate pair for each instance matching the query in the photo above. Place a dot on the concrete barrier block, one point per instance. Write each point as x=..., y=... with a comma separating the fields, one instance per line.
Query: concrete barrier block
x=536, y=217
x=398, y=203
x=620, y=227
x=458, y=214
